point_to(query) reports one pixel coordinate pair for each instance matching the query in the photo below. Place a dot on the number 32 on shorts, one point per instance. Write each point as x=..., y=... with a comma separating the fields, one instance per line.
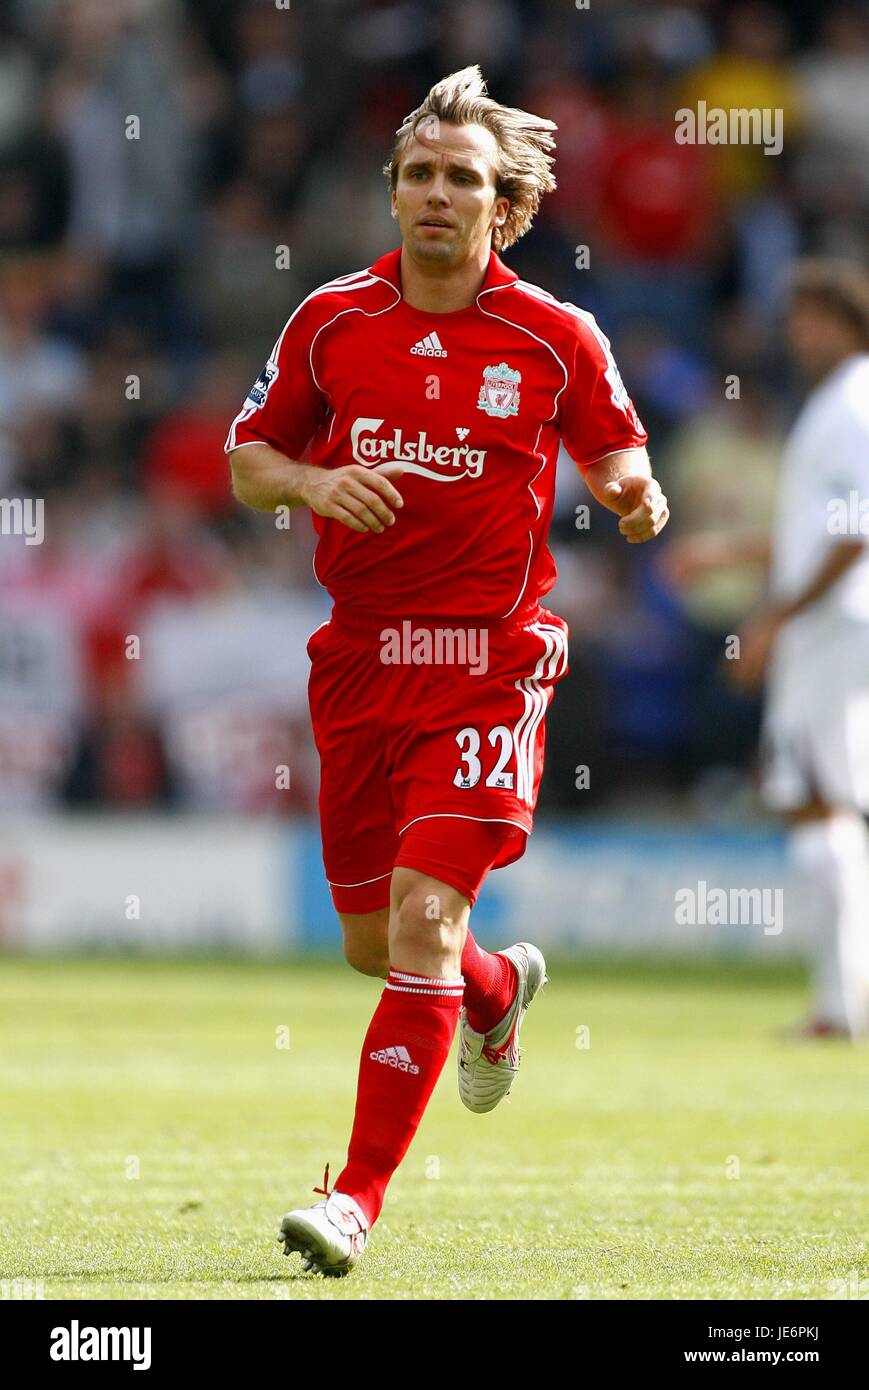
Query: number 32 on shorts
x=471, y=769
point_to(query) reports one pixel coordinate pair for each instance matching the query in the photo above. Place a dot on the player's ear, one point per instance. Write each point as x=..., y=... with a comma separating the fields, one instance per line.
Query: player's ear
x=393, y=204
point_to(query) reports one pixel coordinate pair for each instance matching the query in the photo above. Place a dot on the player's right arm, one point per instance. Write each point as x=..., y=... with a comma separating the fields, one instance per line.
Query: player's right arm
x=285, y=409
x=264, y=478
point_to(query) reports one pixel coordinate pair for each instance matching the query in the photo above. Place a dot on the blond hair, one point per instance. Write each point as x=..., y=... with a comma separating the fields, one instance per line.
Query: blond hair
x=524, y=169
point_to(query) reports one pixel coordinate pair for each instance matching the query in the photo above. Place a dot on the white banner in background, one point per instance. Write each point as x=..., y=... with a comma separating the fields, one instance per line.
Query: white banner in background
x=143, y=883
x=40, y=702
x=621, y=890
x=256, y=885
x=243, y=644
x=227, y=677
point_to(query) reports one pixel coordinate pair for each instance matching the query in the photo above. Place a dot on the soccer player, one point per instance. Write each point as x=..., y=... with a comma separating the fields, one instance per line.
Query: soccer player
x=416, y=407
x=811, y=639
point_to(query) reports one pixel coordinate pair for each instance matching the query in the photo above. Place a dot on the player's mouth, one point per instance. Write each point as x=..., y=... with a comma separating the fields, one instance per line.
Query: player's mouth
x=433, y=222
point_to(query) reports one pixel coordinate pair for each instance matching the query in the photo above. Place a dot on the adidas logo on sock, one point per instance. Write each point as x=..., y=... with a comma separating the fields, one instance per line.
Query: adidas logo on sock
x=429, y=346
x=397, y=1057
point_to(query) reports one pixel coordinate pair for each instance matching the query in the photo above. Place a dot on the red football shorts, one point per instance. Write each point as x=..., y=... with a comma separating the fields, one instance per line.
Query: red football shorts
x=431, y=741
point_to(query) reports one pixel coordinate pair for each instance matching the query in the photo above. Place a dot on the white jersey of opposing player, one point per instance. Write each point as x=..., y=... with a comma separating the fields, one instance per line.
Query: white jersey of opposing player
x=825, y=477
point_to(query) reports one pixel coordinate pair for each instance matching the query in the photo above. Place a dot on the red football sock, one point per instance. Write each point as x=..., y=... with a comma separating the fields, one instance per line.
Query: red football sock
x=490, y=985
x=403, y=1055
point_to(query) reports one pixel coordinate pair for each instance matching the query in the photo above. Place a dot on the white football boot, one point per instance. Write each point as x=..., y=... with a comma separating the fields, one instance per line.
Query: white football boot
x=488, y=1063
x=329, y=1236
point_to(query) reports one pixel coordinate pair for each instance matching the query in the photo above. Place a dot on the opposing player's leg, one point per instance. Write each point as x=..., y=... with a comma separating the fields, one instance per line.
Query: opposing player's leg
x=816, y=775
x=403, y=1054
x=831, y=849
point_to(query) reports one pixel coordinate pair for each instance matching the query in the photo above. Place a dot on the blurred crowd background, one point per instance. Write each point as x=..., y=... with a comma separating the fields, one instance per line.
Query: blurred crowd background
x=152, y=647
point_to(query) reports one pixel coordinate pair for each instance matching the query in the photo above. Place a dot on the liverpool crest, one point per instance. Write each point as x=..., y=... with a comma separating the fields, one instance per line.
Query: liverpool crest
x=499, y=393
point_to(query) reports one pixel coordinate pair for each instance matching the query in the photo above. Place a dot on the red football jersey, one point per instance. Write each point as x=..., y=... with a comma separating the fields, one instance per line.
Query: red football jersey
x=472, y=404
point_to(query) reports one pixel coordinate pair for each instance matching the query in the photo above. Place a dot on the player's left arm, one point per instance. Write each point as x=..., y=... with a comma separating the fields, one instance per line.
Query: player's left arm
x=846, y=461
x=624, y=483
x=837, y=561
x=603, y=434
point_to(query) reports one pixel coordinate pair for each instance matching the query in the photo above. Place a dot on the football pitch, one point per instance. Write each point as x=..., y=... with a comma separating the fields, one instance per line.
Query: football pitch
x=159, y=1117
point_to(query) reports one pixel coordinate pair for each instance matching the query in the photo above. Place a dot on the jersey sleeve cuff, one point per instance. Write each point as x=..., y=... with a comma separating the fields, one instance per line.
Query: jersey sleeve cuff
x=608, y=453
x=243, y=444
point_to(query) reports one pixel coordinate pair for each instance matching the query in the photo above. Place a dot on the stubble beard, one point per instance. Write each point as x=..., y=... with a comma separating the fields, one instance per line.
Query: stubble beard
x=433, y=252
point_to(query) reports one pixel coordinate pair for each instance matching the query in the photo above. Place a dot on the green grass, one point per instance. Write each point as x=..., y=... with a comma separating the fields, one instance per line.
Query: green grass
x=603, y=1176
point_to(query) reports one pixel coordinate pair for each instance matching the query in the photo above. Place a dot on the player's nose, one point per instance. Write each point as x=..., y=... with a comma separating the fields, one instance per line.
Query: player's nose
x=438, y=190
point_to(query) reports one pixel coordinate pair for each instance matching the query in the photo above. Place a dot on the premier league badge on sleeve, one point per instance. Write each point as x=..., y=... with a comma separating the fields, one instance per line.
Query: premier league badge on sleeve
x=256, y=396
x=499, y=393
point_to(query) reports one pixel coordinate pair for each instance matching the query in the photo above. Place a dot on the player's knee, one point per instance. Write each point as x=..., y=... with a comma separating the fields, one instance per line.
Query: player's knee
x=424, y=917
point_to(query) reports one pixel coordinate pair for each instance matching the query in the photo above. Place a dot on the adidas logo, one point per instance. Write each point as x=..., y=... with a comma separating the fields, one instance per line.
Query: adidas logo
x=397, y=1057
x=429, y=346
